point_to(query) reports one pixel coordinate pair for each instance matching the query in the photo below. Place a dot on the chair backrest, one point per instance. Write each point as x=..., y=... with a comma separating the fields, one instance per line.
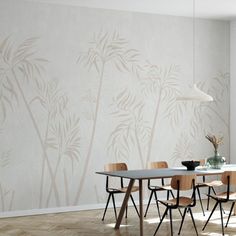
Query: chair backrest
x=157, y=165
x=231, y=175
x=185, y=182
x=115, y=167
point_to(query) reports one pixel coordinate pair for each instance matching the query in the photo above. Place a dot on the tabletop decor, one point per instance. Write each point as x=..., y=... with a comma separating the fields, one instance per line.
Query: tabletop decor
x=217, y=161
x=191, y=165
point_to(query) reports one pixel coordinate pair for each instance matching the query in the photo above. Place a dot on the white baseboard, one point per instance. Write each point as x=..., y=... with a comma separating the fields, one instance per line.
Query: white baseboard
x=41, y=211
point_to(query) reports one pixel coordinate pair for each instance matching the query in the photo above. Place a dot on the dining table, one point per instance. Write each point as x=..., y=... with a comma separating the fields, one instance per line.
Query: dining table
x=147, y=174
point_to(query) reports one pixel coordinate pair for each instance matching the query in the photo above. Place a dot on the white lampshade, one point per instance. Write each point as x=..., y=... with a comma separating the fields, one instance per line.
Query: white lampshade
x=195, y=94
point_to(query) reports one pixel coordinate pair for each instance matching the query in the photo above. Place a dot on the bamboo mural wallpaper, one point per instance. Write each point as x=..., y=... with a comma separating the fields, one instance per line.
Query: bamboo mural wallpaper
x=73, y=99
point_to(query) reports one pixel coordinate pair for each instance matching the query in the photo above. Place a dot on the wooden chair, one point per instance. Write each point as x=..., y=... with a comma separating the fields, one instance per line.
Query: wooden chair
x=204, y=184
x=180, y=183
x=112, y=191
x=228, y=178
x=155, y=188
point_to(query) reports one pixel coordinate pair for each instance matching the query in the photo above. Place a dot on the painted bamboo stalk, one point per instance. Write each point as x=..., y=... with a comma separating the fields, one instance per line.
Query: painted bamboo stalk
x=88, y=157
x=39, y=136
x=54, y=177
x=43, y=166
x=67, y=199
x=2, y=198
x=139, y=148
x=11, y=201
x=154, y=127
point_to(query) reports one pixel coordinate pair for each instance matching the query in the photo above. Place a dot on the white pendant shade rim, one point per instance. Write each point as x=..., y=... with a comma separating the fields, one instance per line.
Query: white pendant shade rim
x=195, y=94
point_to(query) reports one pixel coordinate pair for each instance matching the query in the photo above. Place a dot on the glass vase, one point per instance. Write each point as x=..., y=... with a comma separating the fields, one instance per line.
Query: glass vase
x=216, y=162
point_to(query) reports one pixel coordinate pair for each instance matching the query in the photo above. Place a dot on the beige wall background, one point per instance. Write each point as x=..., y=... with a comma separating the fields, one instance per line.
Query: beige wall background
x=82, y=87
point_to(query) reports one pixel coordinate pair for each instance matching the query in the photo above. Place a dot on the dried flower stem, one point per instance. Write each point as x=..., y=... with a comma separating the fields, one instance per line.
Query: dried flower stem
x=216, y=141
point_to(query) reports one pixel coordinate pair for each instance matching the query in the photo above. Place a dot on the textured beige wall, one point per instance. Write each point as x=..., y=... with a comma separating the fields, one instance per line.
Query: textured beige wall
x=232, y=91
x=82, y=87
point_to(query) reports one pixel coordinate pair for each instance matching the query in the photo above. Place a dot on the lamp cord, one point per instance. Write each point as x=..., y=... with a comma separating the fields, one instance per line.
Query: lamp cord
x=194, y=41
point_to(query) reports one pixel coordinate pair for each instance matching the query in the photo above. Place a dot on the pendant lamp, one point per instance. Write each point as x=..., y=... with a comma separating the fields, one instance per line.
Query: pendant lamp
x=194, y=93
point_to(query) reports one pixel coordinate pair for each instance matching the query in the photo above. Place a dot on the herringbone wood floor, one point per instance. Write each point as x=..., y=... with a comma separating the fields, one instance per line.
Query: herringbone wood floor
x=88, y=223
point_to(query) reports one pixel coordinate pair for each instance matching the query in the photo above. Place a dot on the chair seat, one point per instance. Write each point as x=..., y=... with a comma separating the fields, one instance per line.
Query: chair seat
x=164, y=187
x=214, y=183
x=123, y=190
x=223, y=195
x=134, y=189
x=183, y=201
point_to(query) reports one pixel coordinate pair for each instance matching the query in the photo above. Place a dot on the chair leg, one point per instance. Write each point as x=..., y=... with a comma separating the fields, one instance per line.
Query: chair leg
x=105, y=210
x=231, y=209
x=182, y=221
x=213, y=190
x=150, y=198
x=208, y=198
x=221, y=216
x=114, y=205
x=172, y=193
x=163, y=216
x=180, y=212
x=132, y=199
x=200, y=199
x=210, y=215
x=171, y=225
x=126, y=211
x=158, y=208
x=191, y=213
x=167, y=197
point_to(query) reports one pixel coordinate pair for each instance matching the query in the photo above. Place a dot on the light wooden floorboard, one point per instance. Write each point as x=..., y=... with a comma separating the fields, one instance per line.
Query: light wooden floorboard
x=88, y=223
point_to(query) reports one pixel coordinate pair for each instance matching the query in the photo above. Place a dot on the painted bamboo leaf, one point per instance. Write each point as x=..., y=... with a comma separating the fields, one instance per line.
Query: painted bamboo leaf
x=151, y=81
x=182, y=150
x=6, y=195
x=161, y=84
x=203, y=113
x=220, y=86
x=90, y=100
x=65, y=136
x=6, y=198
x=156, y=78
x=118, y=145
x=5, y=159
x=110, y=47
x=131, y=130
x=8, y=95
x=22, y=58
x=51, y=98
x=170, y=90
